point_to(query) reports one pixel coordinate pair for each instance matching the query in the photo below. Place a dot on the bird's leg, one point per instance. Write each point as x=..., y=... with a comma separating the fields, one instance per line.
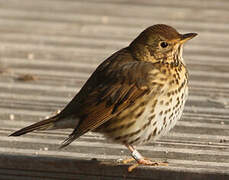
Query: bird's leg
x=132, y=149
x=140, y=159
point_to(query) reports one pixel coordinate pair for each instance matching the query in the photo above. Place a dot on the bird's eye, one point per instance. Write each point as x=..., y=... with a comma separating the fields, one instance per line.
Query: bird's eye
x=164, y=44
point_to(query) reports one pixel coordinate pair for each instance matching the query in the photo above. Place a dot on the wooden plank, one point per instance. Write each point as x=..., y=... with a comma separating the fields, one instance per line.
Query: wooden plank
x=61, y=42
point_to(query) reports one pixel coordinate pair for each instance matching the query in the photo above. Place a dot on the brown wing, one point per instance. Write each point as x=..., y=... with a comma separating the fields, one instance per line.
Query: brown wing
x=115, y=85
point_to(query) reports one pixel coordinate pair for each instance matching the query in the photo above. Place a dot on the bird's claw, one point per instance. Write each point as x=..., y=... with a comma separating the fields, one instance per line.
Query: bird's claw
x=126, y=161
x=144, y=161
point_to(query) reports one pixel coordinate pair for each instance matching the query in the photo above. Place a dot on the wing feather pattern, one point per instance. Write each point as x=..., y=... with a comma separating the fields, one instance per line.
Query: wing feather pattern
x=114, y=86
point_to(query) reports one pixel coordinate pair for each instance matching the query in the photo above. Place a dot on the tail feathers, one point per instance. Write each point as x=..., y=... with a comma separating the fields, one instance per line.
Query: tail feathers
x=42, y=125
x=68, y=141
x=74, y=135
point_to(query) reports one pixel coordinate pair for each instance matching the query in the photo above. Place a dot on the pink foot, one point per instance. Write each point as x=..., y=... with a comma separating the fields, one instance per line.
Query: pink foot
x=147, y=162
x=140, y=159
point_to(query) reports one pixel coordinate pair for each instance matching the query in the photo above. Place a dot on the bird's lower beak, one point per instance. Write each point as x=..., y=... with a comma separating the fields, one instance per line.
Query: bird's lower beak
x=186, y=37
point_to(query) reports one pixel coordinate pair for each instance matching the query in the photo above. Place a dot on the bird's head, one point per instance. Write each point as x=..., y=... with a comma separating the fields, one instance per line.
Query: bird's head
x=159, y=43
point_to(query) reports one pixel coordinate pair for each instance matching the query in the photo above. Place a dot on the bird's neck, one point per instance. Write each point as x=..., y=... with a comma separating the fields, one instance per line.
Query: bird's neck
x=144, y=54
x=178, y=54
x=175, y=57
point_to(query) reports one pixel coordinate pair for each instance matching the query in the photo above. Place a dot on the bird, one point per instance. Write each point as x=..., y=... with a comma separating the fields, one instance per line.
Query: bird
x=133, y=97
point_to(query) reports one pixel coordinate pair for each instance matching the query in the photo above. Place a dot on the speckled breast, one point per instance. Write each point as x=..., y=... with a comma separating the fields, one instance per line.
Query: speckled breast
x=152, y=116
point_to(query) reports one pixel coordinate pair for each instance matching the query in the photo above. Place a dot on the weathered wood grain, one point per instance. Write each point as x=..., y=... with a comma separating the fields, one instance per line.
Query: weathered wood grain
x=60, y=42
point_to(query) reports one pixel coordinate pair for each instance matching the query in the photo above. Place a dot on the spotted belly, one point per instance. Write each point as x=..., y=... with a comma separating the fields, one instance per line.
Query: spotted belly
x=147, y=121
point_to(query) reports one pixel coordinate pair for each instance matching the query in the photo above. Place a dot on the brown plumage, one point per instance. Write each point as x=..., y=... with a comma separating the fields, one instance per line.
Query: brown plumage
x=134, y=96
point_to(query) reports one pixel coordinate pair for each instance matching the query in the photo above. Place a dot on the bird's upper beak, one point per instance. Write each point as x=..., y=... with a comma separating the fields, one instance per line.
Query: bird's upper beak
x=186, y=37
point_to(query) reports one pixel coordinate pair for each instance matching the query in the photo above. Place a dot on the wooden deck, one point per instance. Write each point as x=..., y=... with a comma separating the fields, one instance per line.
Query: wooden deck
x=48, y=48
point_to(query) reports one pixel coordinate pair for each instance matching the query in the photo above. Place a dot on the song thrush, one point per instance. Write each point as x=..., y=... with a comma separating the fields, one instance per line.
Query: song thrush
x=134, y=96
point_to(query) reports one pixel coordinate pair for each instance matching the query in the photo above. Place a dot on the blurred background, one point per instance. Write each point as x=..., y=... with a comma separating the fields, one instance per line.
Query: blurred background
x=48, y=49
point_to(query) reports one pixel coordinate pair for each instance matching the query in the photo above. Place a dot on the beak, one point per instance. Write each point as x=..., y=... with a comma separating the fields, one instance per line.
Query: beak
x=186, y=37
